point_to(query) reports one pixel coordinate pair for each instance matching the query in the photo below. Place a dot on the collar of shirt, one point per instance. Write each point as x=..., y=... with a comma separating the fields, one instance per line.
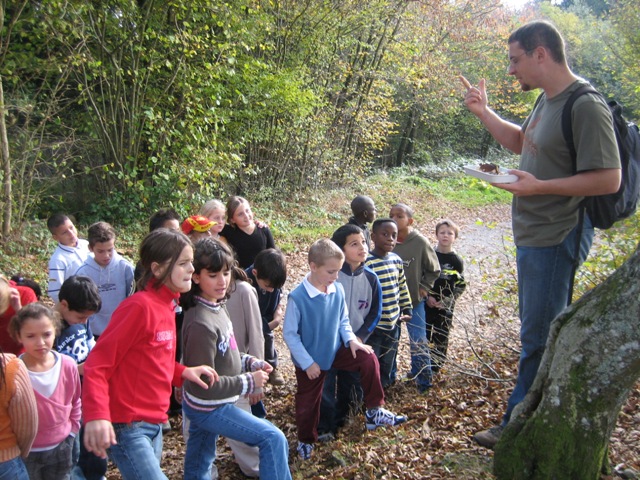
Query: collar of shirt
x=313, y=291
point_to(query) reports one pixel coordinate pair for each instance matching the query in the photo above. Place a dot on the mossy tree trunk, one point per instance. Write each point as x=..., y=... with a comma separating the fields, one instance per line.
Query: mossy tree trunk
x=561, y=429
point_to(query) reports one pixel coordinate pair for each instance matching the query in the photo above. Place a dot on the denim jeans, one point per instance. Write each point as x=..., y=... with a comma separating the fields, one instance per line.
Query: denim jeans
x=419, y=346
x=544, y=279
x=385, y=346
x=13, y=469
x=138, y=451
x=233, y=422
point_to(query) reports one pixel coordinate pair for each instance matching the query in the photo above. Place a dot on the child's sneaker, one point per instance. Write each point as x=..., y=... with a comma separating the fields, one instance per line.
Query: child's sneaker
x=378, y=417
x=304, y=450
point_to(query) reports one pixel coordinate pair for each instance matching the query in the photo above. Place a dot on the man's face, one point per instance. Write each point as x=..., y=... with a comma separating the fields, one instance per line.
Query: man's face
x=521, y=64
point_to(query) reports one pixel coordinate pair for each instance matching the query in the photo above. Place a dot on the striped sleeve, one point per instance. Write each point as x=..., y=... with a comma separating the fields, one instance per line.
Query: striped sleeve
x=23, y=411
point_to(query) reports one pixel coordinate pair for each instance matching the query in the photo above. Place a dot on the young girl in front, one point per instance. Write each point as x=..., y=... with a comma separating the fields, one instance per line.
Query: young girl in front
x=56, y=383
x=247, y=237
x=128, y=376
x=208, y=338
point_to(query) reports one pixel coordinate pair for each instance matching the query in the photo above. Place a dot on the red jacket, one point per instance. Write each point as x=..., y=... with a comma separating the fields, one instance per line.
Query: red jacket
x=7, y=344
x=129, y=373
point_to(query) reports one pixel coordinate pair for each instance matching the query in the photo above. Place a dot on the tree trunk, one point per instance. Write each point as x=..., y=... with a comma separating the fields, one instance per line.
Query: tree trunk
x=6, y=169
x=561, y=429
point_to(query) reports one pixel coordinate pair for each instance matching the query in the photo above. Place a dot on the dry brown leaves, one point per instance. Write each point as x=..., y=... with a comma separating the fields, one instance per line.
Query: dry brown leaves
x=468, y=395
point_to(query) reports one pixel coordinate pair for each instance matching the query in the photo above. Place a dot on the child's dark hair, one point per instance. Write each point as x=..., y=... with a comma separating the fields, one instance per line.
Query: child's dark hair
x=162, y=216
x=100, y=232
x=271, y=266
x=406, y=208
x=379, y=222
x=81, y=294
x=450, y=224
x=162, y=246
x=360, y=203
x=212, y=255
x=55, y=220
x=32, y=311
x=340, y=236
x=23, y=281
x=232, y=205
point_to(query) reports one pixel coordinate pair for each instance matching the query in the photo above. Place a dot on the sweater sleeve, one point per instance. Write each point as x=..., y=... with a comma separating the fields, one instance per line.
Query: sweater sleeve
x=292, y=338
x=76, y=402
x=22, y=410
x=404, y=297
x=57, y=270
x=430, y=267
x=375, y=311
x=253, y=324
x=269, y=238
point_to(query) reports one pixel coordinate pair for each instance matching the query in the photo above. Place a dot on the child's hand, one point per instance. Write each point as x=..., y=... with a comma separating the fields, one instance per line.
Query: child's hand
x=255, y=397
x=99, y=436
x=278, y=316
x=14, y=299
x=313, y=371
x=433, y=303
x=177, y=394
x=260, y=378
x=193, y=374
x=356, y=345
x=404, y=318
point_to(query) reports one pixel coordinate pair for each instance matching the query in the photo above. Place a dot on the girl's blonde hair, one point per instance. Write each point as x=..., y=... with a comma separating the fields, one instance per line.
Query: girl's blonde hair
x=211, y=206
x=33, y=311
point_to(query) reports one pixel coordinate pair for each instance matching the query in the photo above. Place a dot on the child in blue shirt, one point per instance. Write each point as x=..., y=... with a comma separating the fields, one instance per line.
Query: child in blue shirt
x=112, y=274
x=319, y=336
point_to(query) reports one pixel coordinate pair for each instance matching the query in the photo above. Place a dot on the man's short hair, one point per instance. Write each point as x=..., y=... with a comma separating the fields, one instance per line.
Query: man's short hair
x=100, y=232
x=323, y=250
x=271, y=266
x=381, y=221
x=55, y=220
x=540, y=33
x=81, y=294
x=360, y=203
x=340, y=236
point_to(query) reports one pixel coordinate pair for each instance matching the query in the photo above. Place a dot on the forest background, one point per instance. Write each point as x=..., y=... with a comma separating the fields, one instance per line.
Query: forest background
x=114, y=109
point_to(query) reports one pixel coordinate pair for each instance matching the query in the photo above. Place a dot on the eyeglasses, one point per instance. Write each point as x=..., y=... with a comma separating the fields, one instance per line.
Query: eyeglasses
x=513, y=61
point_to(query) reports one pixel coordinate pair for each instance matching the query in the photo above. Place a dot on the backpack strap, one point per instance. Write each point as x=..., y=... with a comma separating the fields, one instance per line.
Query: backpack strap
x=567, y=133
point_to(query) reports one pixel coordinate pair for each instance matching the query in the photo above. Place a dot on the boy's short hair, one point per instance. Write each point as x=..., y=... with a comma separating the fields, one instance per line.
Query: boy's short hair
x=271, y=265
x=323, y=250
x=162, y=216
x=380, y=221
x=23, y=281
x=100, y=232
x=55, y=220
x=407, y=209
x=81, y=294
x=360, y=203
x=448, y=223
x=340, y=236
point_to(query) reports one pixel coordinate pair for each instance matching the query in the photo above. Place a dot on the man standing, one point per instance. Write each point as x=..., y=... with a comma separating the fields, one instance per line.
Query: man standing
x=548, y=192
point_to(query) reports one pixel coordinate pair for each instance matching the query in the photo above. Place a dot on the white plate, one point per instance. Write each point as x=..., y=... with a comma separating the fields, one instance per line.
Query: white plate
x=475, y=171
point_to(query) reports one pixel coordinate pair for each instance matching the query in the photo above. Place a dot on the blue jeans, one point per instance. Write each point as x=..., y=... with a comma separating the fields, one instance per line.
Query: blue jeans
x=544, y=279
x=419, y=346
x=233, y=422
x=385, y=346
x=138, y=451
x=13, y=469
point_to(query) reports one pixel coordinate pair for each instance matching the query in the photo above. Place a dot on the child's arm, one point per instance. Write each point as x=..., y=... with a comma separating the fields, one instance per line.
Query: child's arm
x=23, y=411
x=99, y=436
x=130, y=285
x=76, y=403
x=57, y=270
x=375, y=310
x=430, y=269
x=269, y=238
x=278, y=317
x=292, y=338
x=404, y=299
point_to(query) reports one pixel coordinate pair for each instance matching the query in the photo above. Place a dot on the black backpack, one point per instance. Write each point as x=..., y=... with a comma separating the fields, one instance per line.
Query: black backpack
x=605, y=210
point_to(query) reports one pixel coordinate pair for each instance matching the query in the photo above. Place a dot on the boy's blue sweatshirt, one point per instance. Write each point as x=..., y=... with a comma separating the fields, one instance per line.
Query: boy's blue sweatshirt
x=115, y=283
x=315, y=323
